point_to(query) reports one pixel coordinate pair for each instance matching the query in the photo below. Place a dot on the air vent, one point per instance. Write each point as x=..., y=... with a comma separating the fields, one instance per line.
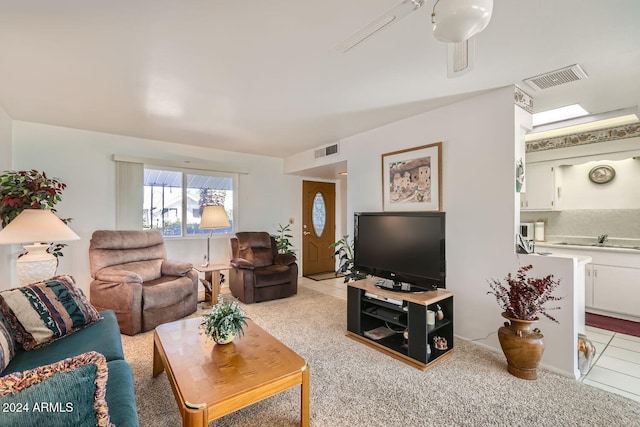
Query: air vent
x=329, y=150
x=557, y=77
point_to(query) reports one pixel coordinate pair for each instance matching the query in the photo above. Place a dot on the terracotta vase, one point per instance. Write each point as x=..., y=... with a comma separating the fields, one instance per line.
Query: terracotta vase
x=522, y=346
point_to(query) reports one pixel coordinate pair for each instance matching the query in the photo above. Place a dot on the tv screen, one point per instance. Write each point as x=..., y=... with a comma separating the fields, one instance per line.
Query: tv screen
x=406, y=247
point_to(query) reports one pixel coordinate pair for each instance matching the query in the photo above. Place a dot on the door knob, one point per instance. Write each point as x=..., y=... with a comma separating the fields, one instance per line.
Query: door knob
x=306, y=232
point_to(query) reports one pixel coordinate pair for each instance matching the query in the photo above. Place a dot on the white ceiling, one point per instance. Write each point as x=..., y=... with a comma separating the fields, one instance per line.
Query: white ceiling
x=264, y=77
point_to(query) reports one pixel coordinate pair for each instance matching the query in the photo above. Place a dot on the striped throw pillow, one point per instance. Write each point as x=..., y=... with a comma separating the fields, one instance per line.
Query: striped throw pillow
x=45, y=311
x=7, y=344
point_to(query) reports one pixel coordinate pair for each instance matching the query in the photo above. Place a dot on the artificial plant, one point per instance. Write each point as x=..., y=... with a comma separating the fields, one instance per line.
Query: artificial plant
x=344, y=252
x=523, y=297
x=20, y=190
x=283, y=242
x=224, y=321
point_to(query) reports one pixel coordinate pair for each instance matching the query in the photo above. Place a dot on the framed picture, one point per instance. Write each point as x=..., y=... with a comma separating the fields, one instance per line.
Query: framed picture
x=602, y=174
x=412, y=179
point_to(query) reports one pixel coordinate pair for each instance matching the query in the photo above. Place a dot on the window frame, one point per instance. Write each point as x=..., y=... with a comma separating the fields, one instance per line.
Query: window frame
x=188, y=171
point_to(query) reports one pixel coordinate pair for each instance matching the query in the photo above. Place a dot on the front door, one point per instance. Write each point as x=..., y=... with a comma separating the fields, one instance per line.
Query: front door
x=318, y=226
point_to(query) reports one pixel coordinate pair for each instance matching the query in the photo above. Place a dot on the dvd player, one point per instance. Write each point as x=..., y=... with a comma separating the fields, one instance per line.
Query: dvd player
x=390, y=300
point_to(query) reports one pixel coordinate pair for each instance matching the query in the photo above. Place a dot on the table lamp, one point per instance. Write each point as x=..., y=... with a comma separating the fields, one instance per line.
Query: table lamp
x=213, y=217
x=36, y=225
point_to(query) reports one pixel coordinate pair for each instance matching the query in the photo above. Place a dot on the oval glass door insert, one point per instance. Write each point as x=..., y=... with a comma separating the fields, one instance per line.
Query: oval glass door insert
x=318, y=214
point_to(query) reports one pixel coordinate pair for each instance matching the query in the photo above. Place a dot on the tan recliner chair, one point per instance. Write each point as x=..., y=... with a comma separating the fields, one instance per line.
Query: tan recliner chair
x=259, y=272
x=133, y=278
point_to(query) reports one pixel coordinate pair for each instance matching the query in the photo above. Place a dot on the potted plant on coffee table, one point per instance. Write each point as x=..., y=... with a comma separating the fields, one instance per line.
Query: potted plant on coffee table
x=523, y=300
x=224, y=322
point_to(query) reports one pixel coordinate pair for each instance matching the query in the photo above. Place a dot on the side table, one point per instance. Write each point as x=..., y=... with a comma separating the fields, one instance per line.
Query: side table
x=211, y=280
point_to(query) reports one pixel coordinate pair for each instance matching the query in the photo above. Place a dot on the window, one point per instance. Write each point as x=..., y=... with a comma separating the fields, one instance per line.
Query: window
x=174, y=199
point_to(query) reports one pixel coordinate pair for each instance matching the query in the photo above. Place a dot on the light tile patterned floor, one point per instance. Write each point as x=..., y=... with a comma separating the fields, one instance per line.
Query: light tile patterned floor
x=617, y=363
x=335, y=287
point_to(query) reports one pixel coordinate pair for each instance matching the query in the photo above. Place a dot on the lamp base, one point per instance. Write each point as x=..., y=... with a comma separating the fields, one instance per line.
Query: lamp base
x=36, y=265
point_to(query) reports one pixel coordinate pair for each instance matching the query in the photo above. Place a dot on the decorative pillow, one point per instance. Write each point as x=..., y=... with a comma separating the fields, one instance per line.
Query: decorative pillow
x=67, y=393
x=7, y=343
x=43, y=312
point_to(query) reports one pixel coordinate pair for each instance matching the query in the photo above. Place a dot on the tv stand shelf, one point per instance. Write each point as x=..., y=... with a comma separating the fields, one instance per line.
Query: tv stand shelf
x=365, y=314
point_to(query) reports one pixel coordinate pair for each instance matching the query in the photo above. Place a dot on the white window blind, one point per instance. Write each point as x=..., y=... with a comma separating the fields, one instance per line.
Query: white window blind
x=129, y=195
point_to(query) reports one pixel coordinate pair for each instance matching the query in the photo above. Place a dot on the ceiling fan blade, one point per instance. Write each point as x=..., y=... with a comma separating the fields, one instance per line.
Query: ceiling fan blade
x=395, y=14
x=460, y=57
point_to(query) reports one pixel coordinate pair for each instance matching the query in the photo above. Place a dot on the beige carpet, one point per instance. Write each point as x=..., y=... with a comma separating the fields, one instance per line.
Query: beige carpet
x=353, y=385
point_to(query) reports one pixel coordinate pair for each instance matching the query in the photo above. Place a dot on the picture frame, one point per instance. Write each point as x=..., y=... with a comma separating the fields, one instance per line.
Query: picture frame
x=602, y=174
x=412, y=179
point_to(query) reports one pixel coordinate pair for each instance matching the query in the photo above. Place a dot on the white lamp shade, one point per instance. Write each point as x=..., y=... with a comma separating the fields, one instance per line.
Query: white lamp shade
x=455, y=21
x=214, y=217
x=36, y=225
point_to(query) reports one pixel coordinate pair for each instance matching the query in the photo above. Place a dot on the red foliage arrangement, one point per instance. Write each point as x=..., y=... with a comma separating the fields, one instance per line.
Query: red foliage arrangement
x=524, y=297
x=20, y=190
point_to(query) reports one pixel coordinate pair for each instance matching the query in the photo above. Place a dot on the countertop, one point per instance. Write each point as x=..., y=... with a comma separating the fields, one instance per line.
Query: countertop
x=629, y=249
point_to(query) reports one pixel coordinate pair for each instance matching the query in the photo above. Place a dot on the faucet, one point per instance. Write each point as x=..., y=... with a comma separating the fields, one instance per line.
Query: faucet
x=602, y=239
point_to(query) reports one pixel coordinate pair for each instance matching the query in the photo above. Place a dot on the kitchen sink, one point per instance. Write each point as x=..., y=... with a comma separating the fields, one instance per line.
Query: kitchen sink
x=596, y=245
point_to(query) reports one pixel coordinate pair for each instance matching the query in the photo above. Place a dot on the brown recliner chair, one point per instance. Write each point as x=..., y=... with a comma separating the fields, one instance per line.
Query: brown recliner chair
x=133, y=278
x=259, y=272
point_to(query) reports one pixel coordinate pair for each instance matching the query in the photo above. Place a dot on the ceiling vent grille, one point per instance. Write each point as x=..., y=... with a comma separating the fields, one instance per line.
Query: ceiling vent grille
x=329, y=150
x=557, y=77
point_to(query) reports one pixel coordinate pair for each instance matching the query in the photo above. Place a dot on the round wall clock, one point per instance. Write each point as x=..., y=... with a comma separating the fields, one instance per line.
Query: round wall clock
x=602, y=174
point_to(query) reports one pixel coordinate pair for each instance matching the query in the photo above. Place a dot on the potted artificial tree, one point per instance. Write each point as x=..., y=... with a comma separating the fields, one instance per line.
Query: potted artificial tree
x=523, y=300
x=283, y=239
x=344, y=252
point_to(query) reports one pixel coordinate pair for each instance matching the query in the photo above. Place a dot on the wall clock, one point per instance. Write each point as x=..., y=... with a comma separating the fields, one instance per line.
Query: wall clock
x=602, y=174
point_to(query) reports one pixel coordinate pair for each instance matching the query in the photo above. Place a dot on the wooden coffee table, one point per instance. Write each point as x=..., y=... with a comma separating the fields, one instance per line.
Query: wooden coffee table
x=211, y=380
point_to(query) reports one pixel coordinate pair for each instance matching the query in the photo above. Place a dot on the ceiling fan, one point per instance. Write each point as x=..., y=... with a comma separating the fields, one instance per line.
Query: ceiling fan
x=455, y=22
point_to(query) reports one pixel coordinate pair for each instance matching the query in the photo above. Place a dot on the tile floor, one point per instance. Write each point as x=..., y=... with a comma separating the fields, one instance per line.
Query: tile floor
x=617, y=363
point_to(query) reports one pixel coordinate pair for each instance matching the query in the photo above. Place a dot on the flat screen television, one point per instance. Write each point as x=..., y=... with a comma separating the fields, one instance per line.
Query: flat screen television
x=405, y=247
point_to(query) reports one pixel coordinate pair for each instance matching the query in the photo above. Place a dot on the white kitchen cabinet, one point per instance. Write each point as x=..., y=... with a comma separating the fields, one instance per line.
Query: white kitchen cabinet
x=588, y=286
x=540, y=192
x=612, y=279
x=615, y=289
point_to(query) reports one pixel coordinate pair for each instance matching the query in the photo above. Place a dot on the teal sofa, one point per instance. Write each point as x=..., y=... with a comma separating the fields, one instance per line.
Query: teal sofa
x=102, y=337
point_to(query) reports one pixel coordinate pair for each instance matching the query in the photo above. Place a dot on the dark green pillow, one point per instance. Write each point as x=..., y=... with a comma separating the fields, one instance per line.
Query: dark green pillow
x=66, y=393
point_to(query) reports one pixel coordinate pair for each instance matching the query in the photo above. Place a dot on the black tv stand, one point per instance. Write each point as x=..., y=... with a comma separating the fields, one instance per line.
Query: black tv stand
x=372, y=311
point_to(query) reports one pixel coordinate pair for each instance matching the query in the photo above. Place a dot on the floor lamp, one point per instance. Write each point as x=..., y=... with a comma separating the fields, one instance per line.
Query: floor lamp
x=36, y=225
x=213, y=217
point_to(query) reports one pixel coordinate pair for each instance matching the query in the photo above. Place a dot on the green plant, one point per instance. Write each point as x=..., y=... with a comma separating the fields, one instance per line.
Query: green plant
x=20, y=190
x=225, y=320
x=344, y=252
x=283, y=244
x=524, y=297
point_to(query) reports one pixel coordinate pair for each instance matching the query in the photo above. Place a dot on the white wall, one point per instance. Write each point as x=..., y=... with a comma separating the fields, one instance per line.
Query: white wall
x=5, y=164
x=578, y=192
x=477, y=193
x=479, y=198
x=83, y=160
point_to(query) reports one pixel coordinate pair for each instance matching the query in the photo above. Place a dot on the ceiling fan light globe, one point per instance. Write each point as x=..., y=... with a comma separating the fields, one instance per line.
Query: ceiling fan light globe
x=455, y=21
